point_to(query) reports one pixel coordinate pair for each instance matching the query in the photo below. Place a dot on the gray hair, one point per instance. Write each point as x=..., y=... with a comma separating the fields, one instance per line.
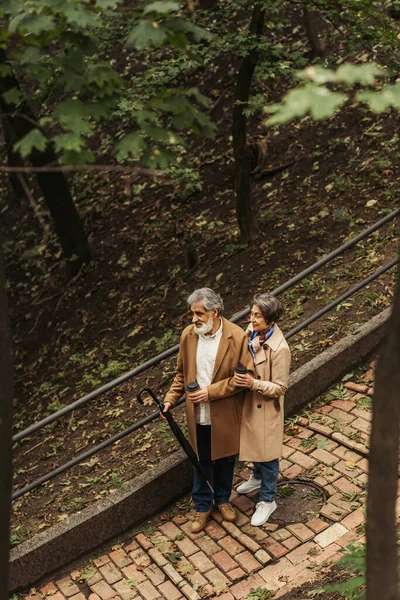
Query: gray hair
x=208, y=297
x=271, y=308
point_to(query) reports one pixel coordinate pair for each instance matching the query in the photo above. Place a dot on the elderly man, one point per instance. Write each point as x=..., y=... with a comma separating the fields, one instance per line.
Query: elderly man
x=210, y=349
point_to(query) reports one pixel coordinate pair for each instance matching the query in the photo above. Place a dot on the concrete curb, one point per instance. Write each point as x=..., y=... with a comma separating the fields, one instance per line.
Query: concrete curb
x=148, y=493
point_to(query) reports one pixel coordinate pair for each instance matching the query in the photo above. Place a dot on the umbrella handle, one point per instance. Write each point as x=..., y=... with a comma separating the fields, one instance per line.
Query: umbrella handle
x=152, y=394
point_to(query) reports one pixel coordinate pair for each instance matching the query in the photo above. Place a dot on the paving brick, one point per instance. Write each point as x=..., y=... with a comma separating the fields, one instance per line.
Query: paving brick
x=207, y=545
x=132, y=572
x=49, y=589
x=249, y=543
x=343, y=439
x=190, y=593
x=101, y=560
x=354, y=519
x=67, y=586
x=363, y=465
x=345, y=486
x=78, y=596
x=104, y=590
x=126, y=592
x=94, y=597
x=132, y=546
x=241, y=518
x=37, y=597
x=296, y=444
x=356, y=387
x=330, y=535
x=274, y=547
x=170, y=591
x=214, y=530
x=281, y=534
x=233, y=529
x=196, y=578
x=201, y=562
x=140, y=558
x=328, y=444
x=248, y=562
x=120, y=558
x=110, y=573
x=270, y=527
x=301, y=531
x=304, y=434
x=224, y=561
x=291, y=543
x=256, y=533
x=157, y=557
x=287, y=451
x=186, y=546
x=350, y=537
x=284, y=464
x=335, y=513
x=362, y=425
x=320, y=481
x=227, y=596
x=144, y=541
x=148, y=591
x=272, y=575
x=187, y=529
x=155, y=574
x=215, y=576
x=170, y=530
x=173, y=574
x=303, y=460
x=301, y=553
x=244, y=504
x=317, y=525
x=241, y=589
x=293, y=472
x=231, y=545
x=348, y=468
x=320, y=428
x=338, y=500
x=344, y=405
x=323, y=410
x=363, y=414
x=325, y=457
x=95, y=576
x=325, y=555
x=346, y=454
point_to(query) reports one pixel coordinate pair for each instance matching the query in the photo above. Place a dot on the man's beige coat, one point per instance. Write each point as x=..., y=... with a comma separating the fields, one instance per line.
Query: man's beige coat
x=226, y=400
x=261, y=434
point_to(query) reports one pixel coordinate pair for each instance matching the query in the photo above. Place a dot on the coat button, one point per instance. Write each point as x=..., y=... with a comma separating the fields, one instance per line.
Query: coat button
x=258, y=405
x=258, y=376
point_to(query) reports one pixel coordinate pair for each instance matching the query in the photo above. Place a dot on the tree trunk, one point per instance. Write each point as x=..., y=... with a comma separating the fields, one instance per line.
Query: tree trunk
x=311, y=26
x=6, y=397
x=382, y=574
x=245, y=210
x=54, y=185
x=14, y=160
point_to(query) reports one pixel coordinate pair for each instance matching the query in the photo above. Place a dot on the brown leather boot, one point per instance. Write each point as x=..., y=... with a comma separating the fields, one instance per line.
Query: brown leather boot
x=200, y=520
x=227, y=511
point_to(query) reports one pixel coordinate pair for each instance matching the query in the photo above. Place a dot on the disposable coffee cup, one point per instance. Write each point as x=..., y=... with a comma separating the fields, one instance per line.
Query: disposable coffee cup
x=192, y=386
x=241, y=369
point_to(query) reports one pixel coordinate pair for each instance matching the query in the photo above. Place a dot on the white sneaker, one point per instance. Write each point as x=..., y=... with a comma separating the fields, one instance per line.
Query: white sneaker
x=263, y=512
x=249, y=486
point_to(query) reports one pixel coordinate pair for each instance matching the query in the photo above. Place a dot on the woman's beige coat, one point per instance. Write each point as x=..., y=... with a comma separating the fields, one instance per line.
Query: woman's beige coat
x=261, y=434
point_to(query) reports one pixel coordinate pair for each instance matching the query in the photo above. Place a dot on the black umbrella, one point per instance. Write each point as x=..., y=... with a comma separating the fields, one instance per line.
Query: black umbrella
x=178, y=433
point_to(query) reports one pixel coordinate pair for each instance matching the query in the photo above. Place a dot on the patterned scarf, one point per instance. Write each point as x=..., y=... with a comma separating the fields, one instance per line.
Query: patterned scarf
x=263, y=337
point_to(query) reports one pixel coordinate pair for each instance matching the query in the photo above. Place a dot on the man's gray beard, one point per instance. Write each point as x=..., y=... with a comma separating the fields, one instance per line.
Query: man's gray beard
x=205, y=328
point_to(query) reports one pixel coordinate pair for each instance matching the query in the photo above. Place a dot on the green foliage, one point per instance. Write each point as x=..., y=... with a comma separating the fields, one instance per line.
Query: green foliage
x=353, y=561
x=58, y=45
x=259, y=594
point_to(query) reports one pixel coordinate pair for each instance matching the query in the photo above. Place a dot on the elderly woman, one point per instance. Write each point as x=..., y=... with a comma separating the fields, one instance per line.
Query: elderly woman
x=261, y=434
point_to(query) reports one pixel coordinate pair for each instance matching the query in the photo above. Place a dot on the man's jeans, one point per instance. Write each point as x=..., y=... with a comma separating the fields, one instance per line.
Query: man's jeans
x=268, y=473
x=219, y=473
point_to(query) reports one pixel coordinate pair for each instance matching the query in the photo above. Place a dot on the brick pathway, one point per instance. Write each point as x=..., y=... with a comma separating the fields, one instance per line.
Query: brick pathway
x=327, y=444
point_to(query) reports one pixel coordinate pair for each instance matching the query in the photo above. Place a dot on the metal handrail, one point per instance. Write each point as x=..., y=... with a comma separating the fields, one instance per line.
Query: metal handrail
x=95, y=449
x=174, y=349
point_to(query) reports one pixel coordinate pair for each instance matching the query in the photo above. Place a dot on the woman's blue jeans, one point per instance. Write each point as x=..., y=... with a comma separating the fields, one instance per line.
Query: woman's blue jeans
x=268, y=472
x=219, y=473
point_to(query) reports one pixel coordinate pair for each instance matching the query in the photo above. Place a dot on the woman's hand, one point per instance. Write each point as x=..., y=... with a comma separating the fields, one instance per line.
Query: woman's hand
x=166, y=408
x=245, y=381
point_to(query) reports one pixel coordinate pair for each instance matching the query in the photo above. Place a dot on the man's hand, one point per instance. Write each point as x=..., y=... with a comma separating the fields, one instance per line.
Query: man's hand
x=200, y=396
x=167, y=408
x=245, y=381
